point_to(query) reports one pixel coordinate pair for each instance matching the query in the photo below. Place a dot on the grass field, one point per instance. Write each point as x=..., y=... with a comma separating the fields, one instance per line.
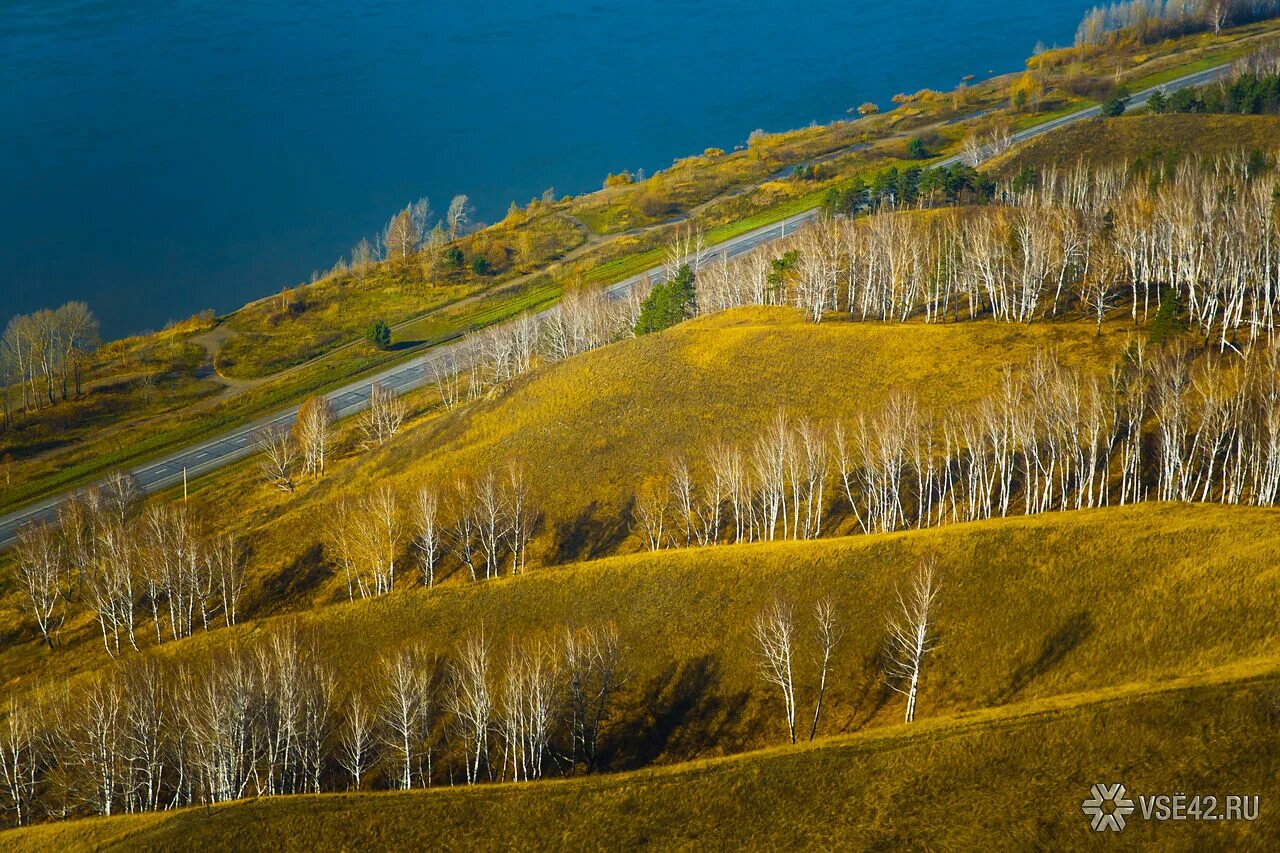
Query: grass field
x=1153, y=624
x=590, y=430
x=1149, y=139
x=1032, y=608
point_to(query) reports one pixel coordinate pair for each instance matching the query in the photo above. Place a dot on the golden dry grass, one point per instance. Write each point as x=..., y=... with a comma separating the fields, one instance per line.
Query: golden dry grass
x=1152, y=139
x=590, y=430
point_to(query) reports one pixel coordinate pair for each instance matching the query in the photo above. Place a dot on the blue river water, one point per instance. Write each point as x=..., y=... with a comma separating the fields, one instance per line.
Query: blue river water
x=159, y=158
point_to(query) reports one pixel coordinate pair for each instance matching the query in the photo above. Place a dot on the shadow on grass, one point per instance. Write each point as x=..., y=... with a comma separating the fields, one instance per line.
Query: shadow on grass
x=868, y=696
x=1056, y=647
x=295, y=582
x=590, y=535
x=675, y=713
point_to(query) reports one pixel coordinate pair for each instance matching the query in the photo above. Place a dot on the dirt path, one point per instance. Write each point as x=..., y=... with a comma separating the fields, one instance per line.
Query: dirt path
x=213, y=341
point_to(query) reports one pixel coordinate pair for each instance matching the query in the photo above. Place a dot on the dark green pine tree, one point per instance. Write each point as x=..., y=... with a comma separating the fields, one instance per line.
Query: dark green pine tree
x=1169, y=321
x=669, y=303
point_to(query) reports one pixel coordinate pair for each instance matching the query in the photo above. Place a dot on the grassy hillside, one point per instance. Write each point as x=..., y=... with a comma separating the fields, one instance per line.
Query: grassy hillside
x=1149, y=139
x=1136, y=644
x=591, y=429
x=1012, y=775
x=1031, y=608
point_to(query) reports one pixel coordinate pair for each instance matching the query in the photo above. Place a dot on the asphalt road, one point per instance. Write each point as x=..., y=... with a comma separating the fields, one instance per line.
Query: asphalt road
x=237, y=444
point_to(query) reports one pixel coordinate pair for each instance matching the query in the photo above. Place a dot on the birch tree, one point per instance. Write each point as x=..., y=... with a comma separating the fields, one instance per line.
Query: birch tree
x=593, y=673
x=529, y=705
x=39, y=561
x=471, y=703
x=401, y=236
x=828, y=635
x=406, y=696
x=278, y=455
x=458, y=216
x=226, y=558
x=650, y=509
x=357, y=738
x=428, y=532
x=775, y=631
x=384, y=417
x=447, y=372
x=911, y=635
x=21, y=760
x=311, y=432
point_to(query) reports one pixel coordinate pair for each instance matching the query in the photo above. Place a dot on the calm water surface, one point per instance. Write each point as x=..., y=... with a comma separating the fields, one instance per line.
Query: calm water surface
x=163, y=157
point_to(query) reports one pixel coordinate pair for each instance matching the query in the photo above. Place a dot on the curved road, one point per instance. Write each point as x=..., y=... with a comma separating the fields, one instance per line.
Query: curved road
x=238, y=443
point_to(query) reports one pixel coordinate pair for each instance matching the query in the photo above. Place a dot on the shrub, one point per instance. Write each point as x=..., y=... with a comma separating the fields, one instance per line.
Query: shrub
x=654, y=204
x=1116, y=104
x=379, y=334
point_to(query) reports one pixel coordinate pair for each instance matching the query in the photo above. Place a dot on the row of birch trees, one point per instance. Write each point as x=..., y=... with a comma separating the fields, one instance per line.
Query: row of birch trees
x=43, y=356
x=1163, y=425
x=1152, y=20
x=273, y=716
x=781, y=647
x=485, y=521
x=107, y=556
x=583, y=320
x=484, y=361
x=126, y=564
x=1085, y=240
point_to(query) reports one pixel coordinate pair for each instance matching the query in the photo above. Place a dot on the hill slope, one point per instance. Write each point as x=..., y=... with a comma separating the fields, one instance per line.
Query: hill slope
x=1017, y=775
x=1031, y=608
x=1036, y=613
x=1148, y=138
x=590, y=430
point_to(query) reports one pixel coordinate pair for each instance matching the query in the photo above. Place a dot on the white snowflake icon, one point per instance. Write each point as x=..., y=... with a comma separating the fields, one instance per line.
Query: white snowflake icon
x=1101, y=817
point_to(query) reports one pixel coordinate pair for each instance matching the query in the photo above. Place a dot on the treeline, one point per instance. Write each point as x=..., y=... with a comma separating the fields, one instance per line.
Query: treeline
x=486, y=522
x=412, y=230
x=107, y=556
x=1162, y=425
x=957, y=184
x=1252, y=88
x=1148, y=21
x=1086, y=240
x=271, y=715
x=42, y=356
